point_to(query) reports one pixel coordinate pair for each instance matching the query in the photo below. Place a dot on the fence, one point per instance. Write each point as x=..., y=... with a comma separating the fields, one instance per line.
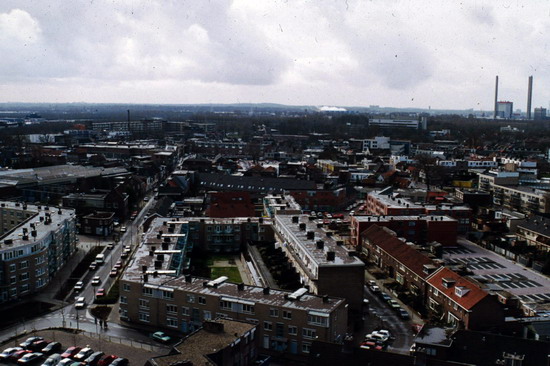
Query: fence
x=124, y=341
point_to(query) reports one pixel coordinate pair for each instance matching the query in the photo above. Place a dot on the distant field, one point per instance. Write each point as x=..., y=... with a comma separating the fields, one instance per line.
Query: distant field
x=231, y=272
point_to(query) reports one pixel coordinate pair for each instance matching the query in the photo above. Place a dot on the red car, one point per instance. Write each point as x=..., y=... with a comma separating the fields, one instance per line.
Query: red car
x=105, y=361
x=70, y=352
x=17, y=355
x=100, y=292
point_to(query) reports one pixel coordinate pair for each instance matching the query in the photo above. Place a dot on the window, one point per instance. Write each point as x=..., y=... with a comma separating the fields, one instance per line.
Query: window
x=268, y=326
x=287, y=315
x=191, y=299
x=226, y=305
x=172, y=322
x=123, y=300
x=280, y=330
x=207, y=315
x=125, y=287
x=167, y=294
x=143, y=304
x=147, y=291
x=292, y=330
x=24, y=276
x=24, y=264
x=274, y=313
x=308, y=333
x=143, y=316
x=12, y=267
x=306, y=347
x=171, y=308
x=202, y=300
x=24, y=288
x=184, y=311
x=13, y=279
x=316, y=320
x=249, y=309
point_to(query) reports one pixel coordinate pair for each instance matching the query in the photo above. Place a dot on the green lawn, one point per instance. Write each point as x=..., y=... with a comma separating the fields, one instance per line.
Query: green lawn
x=231, y=272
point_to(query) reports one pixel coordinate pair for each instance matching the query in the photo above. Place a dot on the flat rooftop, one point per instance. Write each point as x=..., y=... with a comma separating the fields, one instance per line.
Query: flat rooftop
x=310, y=246
x=499, y=273
x=387, y=218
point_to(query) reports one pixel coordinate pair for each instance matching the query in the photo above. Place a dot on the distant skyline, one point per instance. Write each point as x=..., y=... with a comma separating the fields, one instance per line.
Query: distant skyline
x=405, y=54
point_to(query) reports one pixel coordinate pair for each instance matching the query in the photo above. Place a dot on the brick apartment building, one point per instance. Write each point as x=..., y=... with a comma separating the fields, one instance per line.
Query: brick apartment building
x=384, y=202
x=325, y=266
x=418, y=229
x=36, y=242
x=154, y=293
x=451, y=297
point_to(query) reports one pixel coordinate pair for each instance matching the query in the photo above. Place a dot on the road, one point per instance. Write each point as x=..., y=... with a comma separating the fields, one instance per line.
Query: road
x=381, y=316
x=69, y=317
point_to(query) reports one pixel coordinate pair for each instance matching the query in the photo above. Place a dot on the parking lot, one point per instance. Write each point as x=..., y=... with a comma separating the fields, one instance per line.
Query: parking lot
x=136, y=353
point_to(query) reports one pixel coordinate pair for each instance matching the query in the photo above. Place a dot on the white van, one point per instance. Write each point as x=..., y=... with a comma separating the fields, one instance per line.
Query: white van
x=100, y=259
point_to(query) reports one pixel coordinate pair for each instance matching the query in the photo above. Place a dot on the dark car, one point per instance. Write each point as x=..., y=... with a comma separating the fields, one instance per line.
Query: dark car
x=38, y=345
x=70, y=352
x=120, y=362
x=94, y=358
x=30, y=341
x=107, y=360
x=51, y=348
x=403, y=314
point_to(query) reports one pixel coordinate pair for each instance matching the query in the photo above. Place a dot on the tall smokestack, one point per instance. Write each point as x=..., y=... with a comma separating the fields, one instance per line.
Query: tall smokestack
x=496, y=98
x=529, y=96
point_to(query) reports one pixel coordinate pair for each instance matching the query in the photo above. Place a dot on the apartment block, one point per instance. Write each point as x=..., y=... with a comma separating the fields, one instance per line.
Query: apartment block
x=325, y=266
x=154, y=293
x=418, y=229
x=36, y=242
x=385, y=202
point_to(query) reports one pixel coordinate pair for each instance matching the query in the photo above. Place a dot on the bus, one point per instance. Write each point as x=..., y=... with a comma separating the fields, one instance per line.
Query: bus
x=100, y=259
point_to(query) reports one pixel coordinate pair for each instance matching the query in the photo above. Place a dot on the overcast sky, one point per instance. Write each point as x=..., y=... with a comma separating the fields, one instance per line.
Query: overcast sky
x=443, y=54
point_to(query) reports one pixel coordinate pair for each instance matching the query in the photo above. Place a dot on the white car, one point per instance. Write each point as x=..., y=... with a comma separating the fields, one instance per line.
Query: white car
x=79, y=286
x=385, y=334
x=80, y=303
x=123, y=229
x=96, y=281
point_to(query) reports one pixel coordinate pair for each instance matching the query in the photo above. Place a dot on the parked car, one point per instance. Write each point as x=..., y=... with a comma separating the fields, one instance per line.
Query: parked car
x=96, y=281
x=113, y=273
x=386, y=335
x=80, y=302
x=53, y=360
x=38, y=345
x=118, y=264
x=65, y=362
x=93, y=359
x=385, y=296
x=30, y=341
x=29, y=358
x=83, y=354
x=123, y=229
x=107, y=360
x=161, y=337
x=14, y=357
x=371, y=283
x=53, y=347
x=375, y=288
x=70, y=352
x=120, y=362
x=79, y=286
x=403, y=314
x=100, y=292
x=393, y=304
x=8, y=352
x=377, y=338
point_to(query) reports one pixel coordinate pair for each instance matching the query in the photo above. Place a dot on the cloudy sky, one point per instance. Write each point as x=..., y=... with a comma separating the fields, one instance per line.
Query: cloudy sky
x=443, y=54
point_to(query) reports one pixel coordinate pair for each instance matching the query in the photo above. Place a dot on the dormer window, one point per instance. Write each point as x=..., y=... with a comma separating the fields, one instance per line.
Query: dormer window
x=448, y=282
x=461, y=291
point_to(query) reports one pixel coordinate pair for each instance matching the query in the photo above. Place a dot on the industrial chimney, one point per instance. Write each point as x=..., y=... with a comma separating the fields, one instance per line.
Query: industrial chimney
x=529, y=96
x=496, y=98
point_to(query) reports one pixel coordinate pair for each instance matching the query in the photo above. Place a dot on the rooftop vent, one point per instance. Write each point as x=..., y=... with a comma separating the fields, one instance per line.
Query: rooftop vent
x=296, y=295
x=320, y=244
x=218, y=281
x=302, y=226
x=311, y=235
x=266, y=291
x=331, y=256
x=295, y=219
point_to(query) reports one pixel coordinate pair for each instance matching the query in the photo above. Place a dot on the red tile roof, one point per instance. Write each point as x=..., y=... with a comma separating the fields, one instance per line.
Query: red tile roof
x=391, y=244
x=474, y=295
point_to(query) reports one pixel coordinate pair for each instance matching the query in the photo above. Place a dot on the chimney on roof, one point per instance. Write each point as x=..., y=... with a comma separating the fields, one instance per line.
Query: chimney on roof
x=302, y=226
x=331, y=256
x=143, y=269
x=325, y=299
x=145, y=277
x=320, y=244
x=240, y=286
x=311, y=235
x=188, y=278
x=266, y=290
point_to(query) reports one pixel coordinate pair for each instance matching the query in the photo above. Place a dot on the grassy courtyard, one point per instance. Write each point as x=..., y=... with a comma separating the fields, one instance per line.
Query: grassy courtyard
x=231, y=272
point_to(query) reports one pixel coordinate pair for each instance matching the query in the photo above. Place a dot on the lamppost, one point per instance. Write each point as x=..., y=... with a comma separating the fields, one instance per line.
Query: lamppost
x=77, y=323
